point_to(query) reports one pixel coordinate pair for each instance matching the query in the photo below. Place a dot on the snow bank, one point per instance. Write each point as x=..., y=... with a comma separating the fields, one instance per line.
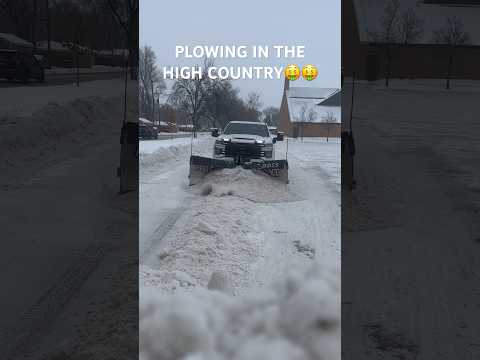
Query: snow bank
x=161, y=154
x=26, y=100
x=55, y=129
x=155, y=155
x=297, y=318
x=147, y=147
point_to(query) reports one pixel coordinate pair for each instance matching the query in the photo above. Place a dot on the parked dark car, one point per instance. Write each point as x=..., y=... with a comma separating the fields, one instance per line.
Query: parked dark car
x=21, y=66
x=146, y=129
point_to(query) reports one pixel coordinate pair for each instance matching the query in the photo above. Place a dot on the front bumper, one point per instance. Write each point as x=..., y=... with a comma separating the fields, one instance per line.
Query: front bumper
x=243, y=151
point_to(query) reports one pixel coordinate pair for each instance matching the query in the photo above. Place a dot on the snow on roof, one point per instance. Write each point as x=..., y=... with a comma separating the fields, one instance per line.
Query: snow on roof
x=54, y=45
x=369, y=14
x=310, y=92
x=61, y=46
x=115, y=52
x=333, y=100
x=15, y=40
x=145, y=121
x=309, y=104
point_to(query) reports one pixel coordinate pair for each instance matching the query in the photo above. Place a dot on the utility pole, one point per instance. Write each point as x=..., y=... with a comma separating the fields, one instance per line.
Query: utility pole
x=47, y=18
x=351, y=103
x=153, y=104
x=34, y=20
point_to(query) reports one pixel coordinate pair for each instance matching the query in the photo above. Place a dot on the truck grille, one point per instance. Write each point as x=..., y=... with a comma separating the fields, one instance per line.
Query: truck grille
x=250, y=151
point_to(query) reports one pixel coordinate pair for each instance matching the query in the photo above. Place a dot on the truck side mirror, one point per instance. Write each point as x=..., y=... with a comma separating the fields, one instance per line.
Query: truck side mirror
x=215, y=132
x=280, y=136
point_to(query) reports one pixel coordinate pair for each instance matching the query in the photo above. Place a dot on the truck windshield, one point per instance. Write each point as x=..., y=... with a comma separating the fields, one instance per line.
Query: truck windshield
x=250, y=129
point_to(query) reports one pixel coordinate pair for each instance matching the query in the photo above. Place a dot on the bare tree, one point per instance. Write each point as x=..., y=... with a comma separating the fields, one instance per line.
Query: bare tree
x=410, y=27
x=388, y=34
x=306, y=115
x=190, y=95
x=126, y=14
x=453, y=35
x=271, y=115
x=220, y=97
x=254, y=104
x=150, y=82
x=329, y=118
x=22, y=15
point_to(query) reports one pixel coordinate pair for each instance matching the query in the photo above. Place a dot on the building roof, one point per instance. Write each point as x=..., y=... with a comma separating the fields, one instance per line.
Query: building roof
x=54, y=45
x=433, y=12
x=314, y=105
x=145, y=121
x=310, y=92
x=15, y=40
x=333, y=100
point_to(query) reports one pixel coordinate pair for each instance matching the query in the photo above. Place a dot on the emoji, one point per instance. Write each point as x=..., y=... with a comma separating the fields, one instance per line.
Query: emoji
x=309, y=72
x=292, y=72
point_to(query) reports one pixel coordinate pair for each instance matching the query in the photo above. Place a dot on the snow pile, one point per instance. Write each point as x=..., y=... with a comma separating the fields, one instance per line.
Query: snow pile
x=156, y=154
x=26, y=100
x=162, y=154
x=53, y=130
x=297, y=318
x=215, y=233
x=255, y=186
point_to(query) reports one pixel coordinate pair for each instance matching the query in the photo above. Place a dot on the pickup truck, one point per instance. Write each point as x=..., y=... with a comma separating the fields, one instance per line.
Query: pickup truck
x=244, y=141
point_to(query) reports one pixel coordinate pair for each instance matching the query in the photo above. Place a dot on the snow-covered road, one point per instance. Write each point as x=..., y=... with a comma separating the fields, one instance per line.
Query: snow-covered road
x=418, y=218
x=250, y=226
x=274, y=246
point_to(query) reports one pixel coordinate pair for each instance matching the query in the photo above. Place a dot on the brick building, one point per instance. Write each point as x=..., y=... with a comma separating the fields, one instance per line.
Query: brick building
x=422, y=59
x=310, y=112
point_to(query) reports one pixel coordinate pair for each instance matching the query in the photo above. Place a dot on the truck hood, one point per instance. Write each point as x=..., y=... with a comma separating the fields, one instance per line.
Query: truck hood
x=245, y=138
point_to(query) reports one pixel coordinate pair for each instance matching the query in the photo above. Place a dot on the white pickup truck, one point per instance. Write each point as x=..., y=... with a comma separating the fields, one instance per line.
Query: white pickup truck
x=244, y=141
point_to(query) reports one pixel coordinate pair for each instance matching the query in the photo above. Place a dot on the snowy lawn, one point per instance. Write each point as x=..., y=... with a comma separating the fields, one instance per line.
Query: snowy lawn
x=260, y=246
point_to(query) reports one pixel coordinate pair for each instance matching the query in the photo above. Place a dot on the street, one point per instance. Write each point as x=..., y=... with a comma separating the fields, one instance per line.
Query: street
x=261, y=227
x=47, y=184
x=420, y=212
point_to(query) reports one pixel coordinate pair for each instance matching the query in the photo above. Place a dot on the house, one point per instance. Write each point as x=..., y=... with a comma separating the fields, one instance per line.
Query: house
x=62, y=54
x=364, y=54
x=310, y=112
x=113, y=57
x=13, y=42
x=166, y=127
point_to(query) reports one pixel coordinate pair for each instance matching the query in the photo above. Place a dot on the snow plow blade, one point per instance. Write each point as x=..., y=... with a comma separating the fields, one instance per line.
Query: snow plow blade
x=274, y=168
x=201, y=166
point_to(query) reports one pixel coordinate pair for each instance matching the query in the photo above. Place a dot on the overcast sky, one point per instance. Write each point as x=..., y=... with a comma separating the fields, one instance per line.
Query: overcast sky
x=313, y=23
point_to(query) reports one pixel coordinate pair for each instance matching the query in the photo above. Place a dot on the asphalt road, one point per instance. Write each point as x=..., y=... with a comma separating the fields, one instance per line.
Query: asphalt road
x=61, y=79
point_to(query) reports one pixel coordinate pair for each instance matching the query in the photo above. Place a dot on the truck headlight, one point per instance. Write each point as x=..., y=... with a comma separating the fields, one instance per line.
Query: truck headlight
x=260, y=141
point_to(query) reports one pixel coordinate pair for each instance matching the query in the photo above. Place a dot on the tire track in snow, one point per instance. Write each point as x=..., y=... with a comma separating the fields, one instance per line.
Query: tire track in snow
x=147, y=256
